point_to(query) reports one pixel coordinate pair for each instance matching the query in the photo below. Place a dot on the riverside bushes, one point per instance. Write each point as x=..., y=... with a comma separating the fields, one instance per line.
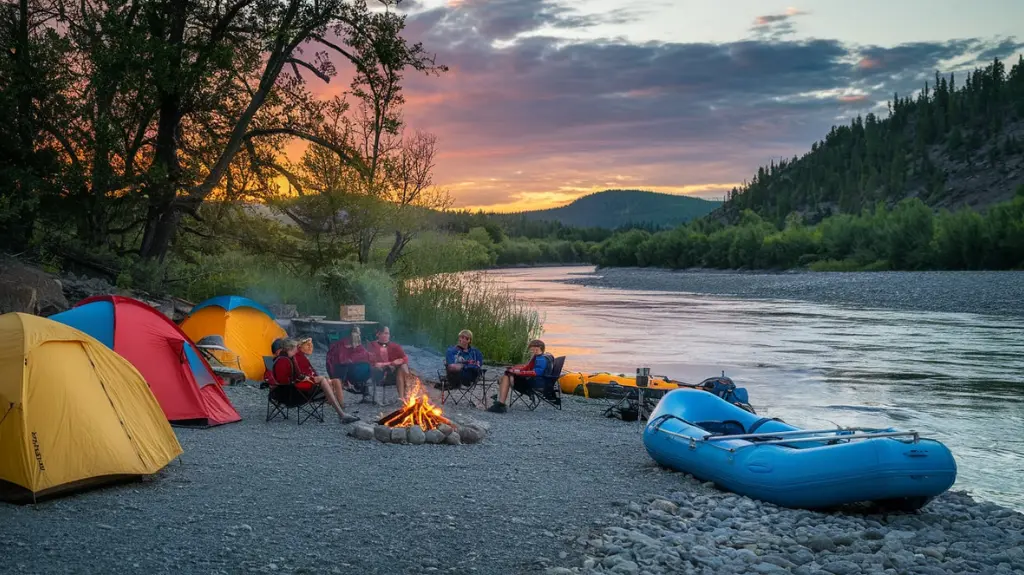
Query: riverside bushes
x=433, y=309
x=910, y=236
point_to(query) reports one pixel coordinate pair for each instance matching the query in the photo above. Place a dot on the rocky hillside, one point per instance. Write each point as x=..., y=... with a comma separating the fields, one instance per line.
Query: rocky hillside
x=27, y=288
x=959, y=143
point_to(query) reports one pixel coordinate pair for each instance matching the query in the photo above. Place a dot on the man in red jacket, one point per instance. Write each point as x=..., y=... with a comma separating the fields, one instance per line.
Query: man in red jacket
x=349, y=361
x=387, y=358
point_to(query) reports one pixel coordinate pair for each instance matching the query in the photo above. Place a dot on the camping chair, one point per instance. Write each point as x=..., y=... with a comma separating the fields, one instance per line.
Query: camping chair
x=533, y=396
x=458, y=391
x=389, y=380
x=627, y=404
x=283, y=397
x=212, y=345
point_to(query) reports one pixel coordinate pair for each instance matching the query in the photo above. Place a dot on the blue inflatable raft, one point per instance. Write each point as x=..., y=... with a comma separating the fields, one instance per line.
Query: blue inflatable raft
x=762, y=458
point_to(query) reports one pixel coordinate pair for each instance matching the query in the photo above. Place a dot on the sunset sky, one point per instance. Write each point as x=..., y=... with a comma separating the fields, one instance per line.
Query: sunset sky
x=547, y=100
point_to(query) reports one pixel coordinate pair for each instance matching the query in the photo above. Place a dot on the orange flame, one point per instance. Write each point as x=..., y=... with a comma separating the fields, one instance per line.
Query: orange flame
x=417, y=411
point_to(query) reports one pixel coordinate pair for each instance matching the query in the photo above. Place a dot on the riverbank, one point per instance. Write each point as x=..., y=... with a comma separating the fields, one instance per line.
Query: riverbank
x=996, y=293
x=546, y=492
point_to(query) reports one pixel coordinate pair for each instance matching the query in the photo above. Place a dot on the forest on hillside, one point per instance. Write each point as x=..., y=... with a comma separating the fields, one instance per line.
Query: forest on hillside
x=959, y=142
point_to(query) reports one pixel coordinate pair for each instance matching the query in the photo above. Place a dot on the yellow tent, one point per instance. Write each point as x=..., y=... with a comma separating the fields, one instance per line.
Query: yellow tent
x=72, y=412
x=247, y=327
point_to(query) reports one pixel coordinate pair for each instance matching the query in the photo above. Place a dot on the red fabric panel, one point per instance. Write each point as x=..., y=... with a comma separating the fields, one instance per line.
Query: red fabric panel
x=154, y=345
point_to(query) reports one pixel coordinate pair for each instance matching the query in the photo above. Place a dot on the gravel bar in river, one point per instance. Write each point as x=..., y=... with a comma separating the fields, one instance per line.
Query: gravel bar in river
x=986, y=292
x=546, y=492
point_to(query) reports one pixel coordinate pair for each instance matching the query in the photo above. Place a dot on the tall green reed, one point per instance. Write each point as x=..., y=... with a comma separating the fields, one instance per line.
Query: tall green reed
x=432, y=310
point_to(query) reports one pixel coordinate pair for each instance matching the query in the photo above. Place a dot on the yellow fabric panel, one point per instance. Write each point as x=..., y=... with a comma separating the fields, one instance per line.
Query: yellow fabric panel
x=207, y=321
x=14, y=451
x=246, y=331
x=84, y=411
x=250, y=333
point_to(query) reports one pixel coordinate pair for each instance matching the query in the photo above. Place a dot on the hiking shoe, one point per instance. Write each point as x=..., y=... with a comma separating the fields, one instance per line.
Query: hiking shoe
x=498, y=407
x=347, y=418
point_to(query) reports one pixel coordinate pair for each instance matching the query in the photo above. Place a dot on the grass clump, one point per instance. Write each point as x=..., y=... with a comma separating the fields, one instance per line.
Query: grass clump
x=433, y=309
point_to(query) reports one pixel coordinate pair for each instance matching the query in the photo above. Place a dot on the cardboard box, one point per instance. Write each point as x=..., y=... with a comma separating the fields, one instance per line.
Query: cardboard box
x=352, y=313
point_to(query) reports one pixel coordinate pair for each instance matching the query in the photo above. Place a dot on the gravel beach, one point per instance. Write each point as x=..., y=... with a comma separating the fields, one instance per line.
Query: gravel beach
x=998, y=293
x=545, y=492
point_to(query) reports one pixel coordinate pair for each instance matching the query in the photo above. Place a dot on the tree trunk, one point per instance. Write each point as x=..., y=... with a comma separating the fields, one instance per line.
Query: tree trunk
x=396, y=249
x=162, y=216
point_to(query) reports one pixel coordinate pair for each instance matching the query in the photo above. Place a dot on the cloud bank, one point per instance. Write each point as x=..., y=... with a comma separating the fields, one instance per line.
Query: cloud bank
x=527, y=117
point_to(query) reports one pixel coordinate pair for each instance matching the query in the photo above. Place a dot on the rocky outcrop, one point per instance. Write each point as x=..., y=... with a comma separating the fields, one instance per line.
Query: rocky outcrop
x=28, y=289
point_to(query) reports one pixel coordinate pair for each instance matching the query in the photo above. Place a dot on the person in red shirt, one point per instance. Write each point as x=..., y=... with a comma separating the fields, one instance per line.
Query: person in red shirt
x=348, y=360
x=290, y=369
x=388, y=358
x=523, y=377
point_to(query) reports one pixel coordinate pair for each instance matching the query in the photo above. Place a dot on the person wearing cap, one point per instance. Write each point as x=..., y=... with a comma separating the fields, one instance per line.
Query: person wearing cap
x=300, y=371
x=522, y=376
x=463, y=361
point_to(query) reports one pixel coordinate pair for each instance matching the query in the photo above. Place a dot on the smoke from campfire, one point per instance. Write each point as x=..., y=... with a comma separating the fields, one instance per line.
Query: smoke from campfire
x=417, y=411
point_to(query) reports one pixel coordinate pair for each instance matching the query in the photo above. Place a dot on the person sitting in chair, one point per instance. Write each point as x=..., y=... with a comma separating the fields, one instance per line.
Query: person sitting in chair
x=522, y=377
x=287, y=369
x=349, y=361
x=388, y=360
x=463, y=361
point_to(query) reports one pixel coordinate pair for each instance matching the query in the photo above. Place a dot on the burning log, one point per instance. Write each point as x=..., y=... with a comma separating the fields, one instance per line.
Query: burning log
x=417, y=411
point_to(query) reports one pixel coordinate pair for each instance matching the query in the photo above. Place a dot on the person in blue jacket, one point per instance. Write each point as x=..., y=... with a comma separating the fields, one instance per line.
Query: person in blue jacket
x=463, y=361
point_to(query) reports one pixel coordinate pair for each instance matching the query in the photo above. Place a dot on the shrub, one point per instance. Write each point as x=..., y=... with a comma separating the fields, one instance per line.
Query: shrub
x=432, y=310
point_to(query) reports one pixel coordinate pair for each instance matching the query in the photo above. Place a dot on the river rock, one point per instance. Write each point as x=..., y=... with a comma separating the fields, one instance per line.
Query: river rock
x=416, y=435
x=453, y=438
x=382, y=433
x=361, y=430
x=445, y=429
x=434, y=436
x=470, y=434
x=28, y=289
x=399, y=435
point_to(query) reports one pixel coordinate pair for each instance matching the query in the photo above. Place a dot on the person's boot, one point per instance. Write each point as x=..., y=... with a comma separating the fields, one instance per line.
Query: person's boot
x=498, y=407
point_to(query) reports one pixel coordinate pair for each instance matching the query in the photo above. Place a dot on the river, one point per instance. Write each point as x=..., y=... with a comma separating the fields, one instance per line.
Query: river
x=955, y=377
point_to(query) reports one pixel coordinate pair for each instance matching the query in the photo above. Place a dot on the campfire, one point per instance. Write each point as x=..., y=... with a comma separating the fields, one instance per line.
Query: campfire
x=417, y=411
x=417, y=422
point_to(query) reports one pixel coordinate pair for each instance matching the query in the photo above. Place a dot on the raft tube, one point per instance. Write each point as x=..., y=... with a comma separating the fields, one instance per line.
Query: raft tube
x=595, y=385
x=701, y=434
x=605, y=384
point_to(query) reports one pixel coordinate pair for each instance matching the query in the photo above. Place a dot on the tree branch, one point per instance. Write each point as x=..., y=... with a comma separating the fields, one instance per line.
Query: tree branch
x=344, y=154
x=306, y=65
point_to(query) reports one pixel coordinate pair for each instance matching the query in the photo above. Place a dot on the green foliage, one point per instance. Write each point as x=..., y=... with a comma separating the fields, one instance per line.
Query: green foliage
x=907, y=237
x=370, y=287
x=433, y=309
x=906, y=154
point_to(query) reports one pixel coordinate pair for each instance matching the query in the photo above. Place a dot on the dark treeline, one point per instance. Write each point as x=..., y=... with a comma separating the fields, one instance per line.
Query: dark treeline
x=909, y=236
x=865, y=197
x=909, y=153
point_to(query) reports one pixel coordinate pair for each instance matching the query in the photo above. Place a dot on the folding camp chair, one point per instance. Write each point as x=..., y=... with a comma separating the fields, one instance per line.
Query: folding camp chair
x=283, y=397
x=628, y=404
x=390, y=379
x=459, y=390
x=533, y=396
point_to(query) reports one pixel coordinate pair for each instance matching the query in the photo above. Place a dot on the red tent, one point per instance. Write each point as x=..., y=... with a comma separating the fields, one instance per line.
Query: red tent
x=181, y=379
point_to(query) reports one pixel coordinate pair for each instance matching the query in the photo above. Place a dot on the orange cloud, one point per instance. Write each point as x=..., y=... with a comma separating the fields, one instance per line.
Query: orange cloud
x=868, y=63
x=853, y=98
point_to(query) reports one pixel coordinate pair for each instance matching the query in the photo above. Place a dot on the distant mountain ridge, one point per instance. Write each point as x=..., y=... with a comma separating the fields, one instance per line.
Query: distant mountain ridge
x=616, y=208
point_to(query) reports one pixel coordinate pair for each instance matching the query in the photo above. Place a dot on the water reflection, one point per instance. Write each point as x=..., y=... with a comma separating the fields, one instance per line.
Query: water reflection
x=954, y=376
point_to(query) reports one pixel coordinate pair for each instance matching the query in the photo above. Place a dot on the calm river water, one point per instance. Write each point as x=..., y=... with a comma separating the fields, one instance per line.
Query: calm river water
x=956, y=377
